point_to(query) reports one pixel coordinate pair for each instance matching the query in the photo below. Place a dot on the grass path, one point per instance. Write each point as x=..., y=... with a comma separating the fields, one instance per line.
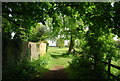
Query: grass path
x=57, y=57
x=57, y=62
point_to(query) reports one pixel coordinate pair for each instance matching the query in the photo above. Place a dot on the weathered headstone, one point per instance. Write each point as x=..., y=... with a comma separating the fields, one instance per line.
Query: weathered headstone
x=42, y=48
x=37, y=49
x=34, y=50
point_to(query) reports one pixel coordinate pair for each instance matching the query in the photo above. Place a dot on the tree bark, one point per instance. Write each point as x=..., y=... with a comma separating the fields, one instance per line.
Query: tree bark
x=71, y=46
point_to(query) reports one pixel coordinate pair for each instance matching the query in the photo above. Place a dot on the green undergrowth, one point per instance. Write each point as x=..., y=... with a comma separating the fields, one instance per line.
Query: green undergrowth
x=26, y=70
x=82, y=68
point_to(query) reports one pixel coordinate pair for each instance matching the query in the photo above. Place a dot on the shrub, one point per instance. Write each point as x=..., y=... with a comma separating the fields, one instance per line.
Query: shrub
x=80, y=68
x=26, y=70
x=83, y=68
x=60, y=42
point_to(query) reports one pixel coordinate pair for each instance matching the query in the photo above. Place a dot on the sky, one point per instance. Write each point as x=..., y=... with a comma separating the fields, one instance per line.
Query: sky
x=53, y=43
x=115, y=38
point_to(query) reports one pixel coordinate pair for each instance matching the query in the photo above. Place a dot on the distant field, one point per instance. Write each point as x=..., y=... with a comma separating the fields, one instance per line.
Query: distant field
x=57, y=50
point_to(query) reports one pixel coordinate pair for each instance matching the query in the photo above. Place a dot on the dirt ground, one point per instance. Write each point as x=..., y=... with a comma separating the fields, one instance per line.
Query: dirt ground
x=57, y=72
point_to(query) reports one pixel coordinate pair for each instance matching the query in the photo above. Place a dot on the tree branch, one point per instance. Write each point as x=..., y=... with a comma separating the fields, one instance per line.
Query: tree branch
x=11, y=20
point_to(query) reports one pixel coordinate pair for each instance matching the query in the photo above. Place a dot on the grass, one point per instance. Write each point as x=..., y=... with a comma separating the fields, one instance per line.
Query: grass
x=57, y=50
x=54, y=57
x=57, y=57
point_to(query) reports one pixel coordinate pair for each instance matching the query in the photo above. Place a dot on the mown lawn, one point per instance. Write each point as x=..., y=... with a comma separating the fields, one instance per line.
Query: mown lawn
x=57, y=57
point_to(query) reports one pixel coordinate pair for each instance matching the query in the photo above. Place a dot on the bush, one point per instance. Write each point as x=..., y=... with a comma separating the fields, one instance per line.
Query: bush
x=60, y=43
x=83, y=68
x=80, y=68
x=21, y=71
x=40, y=62
x=26, y=70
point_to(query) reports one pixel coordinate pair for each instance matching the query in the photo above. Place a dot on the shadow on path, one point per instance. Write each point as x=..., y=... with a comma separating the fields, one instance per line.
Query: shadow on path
x=64, y=55
x=57, y=72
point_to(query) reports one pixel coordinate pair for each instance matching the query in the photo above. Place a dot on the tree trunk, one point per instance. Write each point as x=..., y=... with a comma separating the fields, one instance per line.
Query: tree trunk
x=71, y=46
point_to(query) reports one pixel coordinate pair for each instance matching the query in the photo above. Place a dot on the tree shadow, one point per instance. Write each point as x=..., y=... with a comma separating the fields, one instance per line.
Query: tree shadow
x=58, y=73
x=63, y=55
x=39, y=75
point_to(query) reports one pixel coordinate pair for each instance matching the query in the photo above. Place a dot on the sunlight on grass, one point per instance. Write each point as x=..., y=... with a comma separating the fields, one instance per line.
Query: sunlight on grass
x=57, y=50
x=57, y=57
x=58, y=62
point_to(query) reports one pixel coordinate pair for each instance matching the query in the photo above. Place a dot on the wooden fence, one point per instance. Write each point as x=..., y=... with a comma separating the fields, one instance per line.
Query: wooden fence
x=109, y=70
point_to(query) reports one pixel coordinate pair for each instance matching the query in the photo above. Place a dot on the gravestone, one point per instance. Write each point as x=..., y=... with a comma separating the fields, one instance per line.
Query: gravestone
x=37, y=49
x=42, y=48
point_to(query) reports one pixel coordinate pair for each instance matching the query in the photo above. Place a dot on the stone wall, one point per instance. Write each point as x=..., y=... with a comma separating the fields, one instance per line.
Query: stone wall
x=15, y=51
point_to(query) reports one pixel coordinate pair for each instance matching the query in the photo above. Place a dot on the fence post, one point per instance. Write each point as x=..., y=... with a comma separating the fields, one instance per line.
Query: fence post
x=109, y=62
x=119, y=64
